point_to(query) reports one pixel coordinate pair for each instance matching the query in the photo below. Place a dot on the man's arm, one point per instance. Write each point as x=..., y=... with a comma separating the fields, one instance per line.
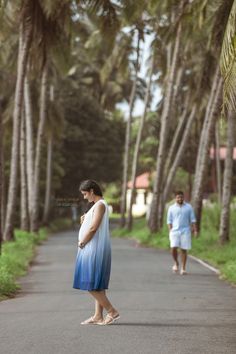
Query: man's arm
x=194, y=228
x=169, y=219
x=193, y=221
x=99, y=211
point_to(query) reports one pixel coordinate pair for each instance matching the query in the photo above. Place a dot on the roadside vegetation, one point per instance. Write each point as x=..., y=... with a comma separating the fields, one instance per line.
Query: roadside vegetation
x=18, y=255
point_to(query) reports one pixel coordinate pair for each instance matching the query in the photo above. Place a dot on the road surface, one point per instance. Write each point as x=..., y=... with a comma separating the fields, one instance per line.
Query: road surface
x=161, y=313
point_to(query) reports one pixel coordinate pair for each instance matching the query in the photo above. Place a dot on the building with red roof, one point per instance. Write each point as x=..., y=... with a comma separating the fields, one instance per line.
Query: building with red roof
x=143, y=195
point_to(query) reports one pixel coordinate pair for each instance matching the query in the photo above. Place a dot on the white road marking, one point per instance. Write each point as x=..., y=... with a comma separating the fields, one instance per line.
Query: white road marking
x=205, y=264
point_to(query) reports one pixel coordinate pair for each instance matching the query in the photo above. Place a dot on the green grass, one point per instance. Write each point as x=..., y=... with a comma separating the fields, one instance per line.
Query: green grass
x=115, y=216
x=206, y=246
x=18, y=254
x=15, y=259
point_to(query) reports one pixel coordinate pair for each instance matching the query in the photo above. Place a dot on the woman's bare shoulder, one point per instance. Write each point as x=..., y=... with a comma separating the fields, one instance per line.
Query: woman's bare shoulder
x=100, y=206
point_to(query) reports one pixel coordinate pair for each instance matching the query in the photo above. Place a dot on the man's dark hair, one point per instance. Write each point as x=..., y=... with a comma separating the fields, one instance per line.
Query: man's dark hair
x=179, y=193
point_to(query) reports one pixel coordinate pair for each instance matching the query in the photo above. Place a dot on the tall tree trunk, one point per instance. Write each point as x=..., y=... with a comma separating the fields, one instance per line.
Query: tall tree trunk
x=227, y=182
x=137, y=146
x=218, y=168
x=206, y=118
x=48, y=179
x=23, y=52
x=42, y=118
x=29, y=145
x=179, y=155
x=204, y=144
x=127, y=140
x=3, y=180
x=165, y=117
x=168, y=58
x=176, y=90
x=177, y=136
x=24, y=207
x=1, y=176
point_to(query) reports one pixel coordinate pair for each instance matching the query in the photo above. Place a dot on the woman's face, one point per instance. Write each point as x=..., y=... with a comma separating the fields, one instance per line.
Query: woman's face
x=88, y=195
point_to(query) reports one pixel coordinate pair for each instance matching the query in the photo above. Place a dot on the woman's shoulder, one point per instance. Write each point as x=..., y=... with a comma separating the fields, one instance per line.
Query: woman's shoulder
x=100, y=204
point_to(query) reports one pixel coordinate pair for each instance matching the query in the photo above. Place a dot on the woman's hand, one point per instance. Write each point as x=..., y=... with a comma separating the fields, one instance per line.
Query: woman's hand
x=82, y=219
x=81, y=244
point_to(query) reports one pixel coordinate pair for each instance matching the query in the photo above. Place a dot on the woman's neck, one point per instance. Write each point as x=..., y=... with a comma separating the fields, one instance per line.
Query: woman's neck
x=97, y=198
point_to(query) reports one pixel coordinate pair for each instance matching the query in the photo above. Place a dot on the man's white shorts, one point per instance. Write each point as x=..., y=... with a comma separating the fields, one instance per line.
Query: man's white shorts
x=181, y=240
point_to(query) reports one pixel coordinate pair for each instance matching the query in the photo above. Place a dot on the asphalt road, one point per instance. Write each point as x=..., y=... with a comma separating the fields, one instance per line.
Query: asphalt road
x=161, y=313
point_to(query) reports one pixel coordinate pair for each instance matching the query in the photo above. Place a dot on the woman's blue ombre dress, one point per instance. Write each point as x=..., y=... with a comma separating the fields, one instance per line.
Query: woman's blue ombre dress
x=93, y=262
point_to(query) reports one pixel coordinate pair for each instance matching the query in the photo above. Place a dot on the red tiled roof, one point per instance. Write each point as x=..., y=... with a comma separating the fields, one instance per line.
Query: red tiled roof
x=222, y=153
x=142, y=181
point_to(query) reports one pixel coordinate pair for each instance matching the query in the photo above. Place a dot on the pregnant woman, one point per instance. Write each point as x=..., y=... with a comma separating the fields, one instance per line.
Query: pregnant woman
x=93, y=262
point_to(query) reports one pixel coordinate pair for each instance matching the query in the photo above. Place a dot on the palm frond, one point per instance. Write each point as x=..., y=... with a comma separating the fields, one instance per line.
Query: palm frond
x=228, y=60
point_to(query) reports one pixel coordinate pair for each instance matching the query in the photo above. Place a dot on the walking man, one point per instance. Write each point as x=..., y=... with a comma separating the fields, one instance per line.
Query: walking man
x=181, y=221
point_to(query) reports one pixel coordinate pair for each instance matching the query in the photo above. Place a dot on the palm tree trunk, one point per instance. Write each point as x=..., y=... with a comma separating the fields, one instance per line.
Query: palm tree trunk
x=153, y=217
x=218, y=168
x=176, y=90
x=177, y=136
x=48, y=180
x=168, y=57
x=24, y=207
x=42, y=117
x=3, y=189
x=1, y=176
x=206, y=118
x=179, y=154
x=227, y=182
x=127, y=140
x=137, y=146
x=29, y=146
x=24, y=46
x=205, y=140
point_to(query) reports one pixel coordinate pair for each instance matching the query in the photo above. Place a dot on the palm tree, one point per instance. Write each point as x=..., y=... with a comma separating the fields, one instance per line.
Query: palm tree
x=227, y=181
x=217, y=156
x=29, y=143
x=48, y=178
x=25, y=37
x=24, y=203
x=1, y=173
x=217, y=29
x=42, y=118
x=177, y=134
x=211, y=114
x=138, y=143
x=128, y=134
x=54, y=128
x=154, y=222
x=227, y=59
x=51, y=28
x=180, y=152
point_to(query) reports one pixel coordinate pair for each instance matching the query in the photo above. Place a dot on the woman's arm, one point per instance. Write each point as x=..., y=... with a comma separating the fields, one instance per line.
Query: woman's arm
x=99, y=211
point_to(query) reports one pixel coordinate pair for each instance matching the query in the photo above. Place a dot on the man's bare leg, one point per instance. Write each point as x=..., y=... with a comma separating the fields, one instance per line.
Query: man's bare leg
x=174, y=251
x=184, y=259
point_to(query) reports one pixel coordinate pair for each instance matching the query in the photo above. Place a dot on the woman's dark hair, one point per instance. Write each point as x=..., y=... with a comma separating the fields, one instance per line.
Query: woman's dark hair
x=89, y=184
